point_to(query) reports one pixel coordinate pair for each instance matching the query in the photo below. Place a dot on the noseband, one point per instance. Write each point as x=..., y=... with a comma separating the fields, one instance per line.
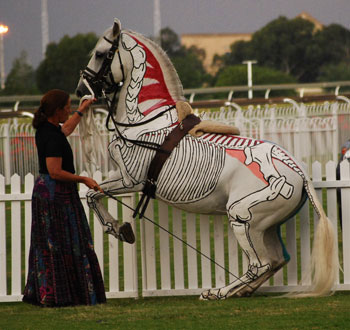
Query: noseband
x=102, y=81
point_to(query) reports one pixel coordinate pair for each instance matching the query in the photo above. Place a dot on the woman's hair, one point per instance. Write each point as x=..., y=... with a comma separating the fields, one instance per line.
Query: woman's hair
x=50, y=102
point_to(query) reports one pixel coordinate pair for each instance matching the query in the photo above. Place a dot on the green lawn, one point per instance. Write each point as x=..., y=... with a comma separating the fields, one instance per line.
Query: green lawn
x=258, y=312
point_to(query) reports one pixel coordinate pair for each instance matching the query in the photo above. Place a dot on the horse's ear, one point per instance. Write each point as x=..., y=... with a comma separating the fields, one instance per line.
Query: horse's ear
x=116, y=27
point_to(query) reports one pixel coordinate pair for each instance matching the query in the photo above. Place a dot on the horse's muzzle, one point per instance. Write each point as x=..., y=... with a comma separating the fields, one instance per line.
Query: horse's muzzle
x=82, y=90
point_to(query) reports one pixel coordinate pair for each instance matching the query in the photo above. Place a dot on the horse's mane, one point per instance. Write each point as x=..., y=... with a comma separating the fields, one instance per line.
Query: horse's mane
x=173, y=81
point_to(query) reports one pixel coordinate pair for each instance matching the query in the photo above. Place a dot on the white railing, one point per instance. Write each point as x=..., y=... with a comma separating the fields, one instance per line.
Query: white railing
x=310, y=132
x=168, y=267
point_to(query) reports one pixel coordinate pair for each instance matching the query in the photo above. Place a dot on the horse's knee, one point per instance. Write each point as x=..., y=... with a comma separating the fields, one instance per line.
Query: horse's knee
x=91, y=197
x=240, y=228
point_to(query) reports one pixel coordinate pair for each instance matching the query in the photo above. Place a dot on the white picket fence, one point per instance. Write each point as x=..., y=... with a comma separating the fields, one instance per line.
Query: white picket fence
x=168, y=267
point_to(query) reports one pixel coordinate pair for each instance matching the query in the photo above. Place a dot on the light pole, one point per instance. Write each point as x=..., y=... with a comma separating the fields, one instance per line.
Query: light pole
x=156, y=21
x=250, y=76
x=44, y=26
x=3, y=30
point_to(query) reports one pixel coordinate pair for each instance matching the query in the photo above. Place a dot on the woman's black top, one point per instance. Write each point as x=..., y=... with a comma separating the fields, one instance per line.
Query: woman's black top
x=51, y=142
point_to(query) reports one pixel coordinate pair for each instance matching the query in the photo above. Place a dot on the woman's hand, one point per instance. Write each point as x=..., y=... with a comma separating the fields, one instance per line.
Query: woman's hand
x=69, y=126
x=92, y=184
x=86, y=104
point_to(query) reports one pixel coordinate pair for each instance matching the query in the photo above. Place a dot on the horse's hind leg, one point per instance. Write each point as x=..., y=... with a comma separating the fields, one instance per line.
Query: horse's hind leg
x=269, y=256
x=114, y=185
x=258, y=239
x=266, y=255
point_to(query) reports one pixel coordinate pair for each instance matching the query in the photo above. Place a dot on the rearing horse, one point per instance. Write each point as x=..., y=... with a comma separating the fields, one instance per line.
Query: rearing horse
x=256, y=183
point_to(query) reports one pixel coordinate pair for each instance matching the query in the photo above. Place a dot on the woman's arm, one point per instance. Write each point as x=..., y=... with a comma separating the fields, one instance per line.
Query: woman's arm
x=69, y=126
x=54, y=166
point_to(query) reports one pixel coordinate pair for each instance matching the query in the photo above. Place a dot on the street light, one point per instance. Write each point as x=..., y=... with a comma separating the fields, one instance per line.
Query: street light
x=3, y=30
x=250, y=77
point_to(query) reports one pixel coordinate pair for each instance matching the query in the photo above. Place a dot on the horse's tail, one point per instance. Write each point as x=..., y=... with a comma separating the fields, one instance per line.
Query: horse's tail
x=324, y=261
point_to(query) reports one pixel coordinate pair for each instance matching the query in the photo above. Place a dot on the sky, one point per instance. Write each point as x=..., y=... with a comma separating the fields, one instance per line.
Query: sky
x=69, y=17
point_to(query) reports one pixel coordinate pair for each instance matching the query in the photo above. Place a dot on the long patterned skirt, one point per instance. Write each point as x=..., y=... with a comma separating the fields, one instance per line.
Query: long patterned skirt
x=63, y=266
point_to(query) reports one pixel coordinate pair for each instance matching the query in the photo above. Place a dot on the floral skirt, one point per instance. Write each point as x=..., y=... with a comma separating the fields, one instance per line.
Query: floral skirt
x=63, y=266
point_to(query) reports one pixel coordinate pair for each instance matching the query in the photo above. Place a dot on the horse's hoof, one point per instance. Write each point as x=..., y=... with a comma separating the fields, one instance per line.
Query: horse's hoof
x=126, y=233
x=213, y=294
x=204, y=295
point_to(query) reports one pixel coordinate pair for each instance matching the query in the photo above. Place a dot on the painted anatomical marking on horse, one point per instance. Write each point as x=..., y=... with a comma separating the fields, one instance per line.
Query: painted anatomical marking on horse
x=132, y=159
x=192, y=171
x=137, y=74
x=256, y=183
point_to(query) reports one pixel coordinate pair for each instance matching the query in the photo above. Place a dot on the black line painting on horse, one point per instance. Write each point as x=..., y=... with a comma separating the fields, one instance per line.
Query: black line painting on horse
x=163, y=150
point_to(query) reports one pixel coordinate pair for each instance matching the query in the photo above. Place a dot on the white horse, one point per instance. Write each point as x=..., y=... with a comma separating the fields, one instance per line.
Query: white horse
x=256, y=183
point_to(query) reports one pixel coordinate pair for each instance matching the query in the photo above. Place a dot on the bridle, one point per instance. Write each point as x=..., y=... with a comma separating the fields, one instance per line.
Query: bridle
x=103, y=79
x=102, y=84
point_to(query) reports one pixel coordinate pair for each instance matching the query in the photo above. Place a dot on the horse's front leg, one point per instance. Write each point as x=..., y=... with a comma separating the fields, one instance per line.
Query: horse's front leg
x=114, y=186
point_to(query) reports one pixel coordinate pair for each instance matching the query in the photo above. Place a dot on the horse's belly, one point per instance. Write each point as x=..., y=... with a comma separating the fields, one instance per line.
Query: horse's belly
x=191, y=173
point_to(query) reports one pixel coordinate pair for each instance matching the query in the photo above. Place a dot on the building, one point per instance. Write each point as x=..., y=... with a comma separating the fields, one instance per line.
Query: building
x=220, y=43
x=213, y=44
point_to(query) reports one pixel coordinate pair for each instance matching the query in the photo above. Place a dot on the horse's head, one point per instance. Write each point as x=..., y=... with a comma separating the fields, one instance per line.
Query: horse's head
x=100, y=75
x=125, y=58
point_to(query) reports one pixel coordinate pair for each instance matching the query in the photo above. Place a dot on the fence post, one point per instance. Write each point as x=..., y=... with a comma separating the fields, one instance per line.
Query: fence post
x=98, y=231
x=335, y=110
x=28, y=187
x=130, y=250
x=7, y=154
x=345, y=196
x=332, y=210
x=3, y=267
x=16, y=237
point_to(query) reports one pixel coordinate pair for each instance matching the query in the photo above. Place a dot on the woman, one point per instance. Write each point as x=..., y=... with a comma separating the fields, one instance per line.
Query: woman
x=63, y=267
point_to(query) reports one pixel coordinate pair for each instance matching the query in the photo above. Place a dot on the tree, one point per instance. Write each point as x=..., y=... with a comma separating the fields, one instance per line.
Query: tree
x=190, y=70
x=293, y=47
x=240, y=51
x=21, y=79
x=334, y=40
x=285, y=45
x=188, y=62
x=170, y=42
x=335, y=72
x=63, y=62
x=236, y=75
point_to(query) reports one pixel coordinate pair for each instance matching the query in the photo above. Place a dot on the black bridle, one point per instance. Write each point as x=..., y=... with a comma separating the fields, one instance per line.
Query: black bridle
x=102, y=84
x=103, y=80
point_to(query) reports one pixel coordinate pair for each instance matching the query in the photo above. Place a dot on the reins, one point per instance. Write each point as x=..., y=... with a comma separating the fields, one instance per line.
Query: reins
x=180, y=239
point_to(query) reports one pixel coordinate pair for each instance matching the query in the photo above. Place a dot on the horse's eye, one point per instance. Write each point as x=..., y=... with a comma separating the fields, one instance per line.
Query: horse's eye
x=99, y=54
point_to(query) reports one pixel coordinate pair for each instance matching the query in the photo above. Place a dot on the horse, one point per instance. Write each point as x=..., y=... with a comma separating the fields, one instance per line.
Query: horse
x=256, y=183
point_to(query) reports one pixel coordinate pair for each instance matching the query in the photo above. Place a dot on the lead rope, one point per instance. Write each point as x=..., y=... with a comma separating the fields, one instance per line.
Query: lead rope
x=180, y=239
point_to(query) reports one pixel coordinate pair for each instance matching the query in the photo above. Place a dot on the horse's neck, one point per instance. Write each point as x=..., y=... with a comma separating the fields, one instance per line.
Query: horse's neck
x=151, y=83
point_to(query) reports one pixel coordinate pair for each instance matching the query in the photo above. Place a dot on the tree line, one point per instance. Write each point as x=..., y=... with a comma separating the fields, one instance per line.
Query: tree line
x=286, y=51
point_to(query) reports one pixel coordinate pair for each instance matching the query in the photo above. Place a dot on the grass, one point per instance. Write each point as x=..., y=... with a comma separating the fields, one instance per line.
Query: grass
x=260, y=312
